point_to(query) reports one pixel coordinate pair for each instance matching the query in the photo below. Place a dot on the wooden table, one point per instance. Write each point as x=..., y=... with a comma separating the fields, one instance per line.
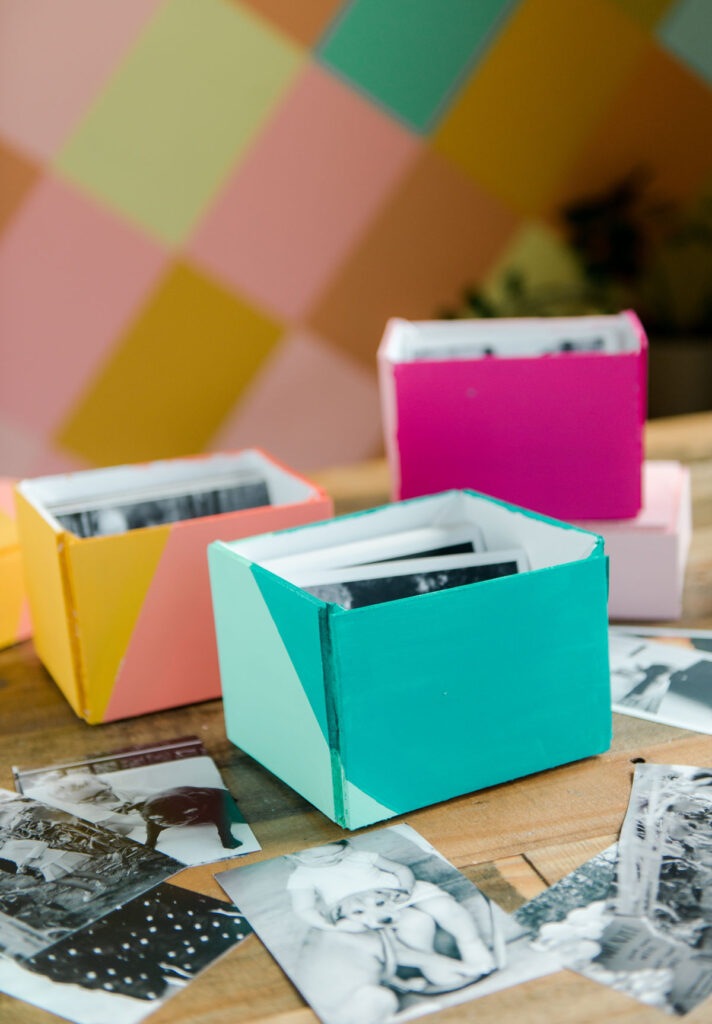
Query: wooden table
x=512, y=840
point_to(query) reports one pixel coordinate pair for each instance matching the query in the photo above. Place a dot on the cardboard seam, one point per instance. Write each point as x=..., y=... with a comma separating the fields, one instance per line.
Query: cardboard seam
x=74, y=641
x=333, y=717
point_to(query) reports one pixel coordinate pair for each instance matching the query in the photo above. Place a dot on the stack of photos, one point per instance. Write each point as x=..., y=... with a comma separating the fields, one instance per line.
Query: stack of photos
x=380, y=927
x=121, y=512
x=59, y=873
x=390, y=581
x=121, y=968
x=398, y=565
x=168, y=796
x=663, y=675
x=638, y=918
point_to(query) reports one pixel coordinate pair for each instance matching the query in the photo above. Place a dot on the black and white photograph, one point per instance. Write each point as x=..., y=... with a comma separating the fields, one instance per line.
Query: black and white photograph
x=122, y=968
x=113, y=515
x=663, y=675
x=59, y=874
x=638, y=918
x=169, y=796
x=390, y=581
x=380, y=927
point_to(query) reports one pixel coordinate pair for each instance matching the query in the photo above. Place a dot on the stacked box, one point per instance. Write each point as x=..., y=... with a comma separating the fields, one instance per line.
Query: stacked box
x=559, y=431
x=648, y=553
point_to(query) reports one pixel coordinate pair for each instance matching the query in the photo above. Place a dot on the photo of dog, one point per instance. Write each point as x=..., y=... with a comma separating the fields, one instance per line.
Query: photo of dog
x=169, y=797
x=379, y=928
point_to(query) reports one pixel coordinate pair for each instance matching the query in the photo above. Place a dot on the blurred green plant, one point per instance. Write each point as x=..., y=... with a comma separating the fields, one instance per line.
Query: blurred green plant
x=632, y=252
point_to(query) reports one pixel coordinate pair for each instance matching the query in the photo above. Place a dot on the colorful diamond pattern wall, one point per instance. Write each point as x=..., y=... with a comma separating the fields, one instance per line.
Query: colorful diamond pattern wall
x=208, y=210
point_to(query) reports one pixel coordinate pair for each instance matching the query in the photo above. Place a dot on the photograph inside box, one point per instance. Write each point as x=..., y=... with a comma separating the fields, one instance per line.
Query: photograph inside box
x=507, y=338
x=664, y=675
x=413, y=548
x=117, y=513
x=390, y=581
x=168, y=796
x=101, y=502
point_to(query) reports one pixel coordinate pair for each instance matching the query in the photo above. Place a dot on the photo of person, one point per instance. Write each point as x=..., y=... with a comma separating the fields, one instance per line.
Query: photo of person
x=169, y=796
x=380, y=927
x=59, y=874
x=123, y=967
x=662, y=675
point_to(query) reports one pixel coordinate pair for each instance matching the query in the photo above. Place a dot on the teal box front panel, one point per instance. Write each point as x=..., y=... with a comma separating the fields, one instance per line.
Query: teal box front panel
x=456, y=690
x=269, y=639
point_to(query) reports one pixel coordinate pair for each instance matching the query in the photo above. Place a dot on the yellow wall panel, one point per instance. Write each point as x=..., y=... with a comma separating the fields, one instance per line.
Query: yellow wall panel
x=174, y=377
x=532, y=101
x=109, y=578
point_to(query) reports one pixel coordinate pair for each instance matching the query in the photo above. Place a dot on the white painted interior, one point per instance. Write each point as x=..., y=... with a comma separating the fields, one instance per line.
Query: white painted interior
x=545, y=543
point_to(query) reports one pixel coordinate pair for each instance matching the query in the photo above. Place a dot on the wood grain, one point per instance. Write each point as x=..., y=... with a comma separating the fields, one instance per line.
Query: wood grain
x=512, y=840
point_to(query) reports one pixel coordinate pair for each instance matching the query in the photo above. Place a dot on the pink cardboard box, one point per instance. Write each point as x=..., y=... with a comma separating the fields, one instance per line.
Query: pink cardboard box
x=543, y=412
x=648, y=554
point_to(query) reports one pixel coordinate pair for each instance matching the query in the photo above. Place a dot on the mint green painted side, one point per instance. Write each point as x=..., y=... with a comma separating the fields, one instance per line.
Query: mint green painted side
x=267, y=712
x=293, y=618
x=449, y=692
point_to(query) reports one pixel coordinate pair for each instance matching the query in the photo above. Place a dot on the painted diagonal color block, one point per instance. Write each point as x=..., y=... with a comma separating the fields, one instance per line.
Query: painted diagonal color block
x=179, y=112
x=173, y=377
x=687, y=32
x=304, y=21
x=529, y=106
x=107, y=613
x=160, y=660
x=647, y=12
x=409, y=55
x=71, y=276
x=17, y=176
x=308, y=187
x=438, y=234
x=55, y=57
x=329, y=400
x=660, y=121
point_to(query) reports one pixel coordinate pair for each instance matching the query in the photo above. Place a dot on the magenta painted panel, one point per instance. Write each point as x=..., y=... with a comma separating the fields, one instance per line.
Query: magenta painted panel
x=561, y=434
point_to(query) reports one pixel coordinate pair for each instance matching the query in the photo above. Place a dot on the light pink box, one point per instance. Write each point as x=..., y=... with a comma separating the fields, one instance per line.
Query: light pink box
x=648, y=554
x=560, y=432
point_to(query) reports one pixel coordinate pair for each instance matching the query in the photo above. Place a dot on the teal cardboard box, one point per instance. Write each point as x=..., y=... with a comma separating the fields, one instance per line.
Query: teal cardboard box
x=371, y=712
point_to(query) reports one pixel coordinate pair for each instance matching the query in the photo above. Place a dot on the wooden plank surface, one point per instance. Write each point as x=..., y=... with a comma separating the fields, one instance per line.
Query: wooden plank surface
x=511, y=840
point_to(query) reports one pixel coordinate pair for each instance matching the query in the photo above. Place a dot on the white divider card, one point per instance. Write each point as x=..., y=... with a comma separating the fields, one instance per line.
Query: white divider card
x=380, y=927
x=125, y=966
x=425, y=542
x=373, y=583
x=169, y=796
x=59, y=874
